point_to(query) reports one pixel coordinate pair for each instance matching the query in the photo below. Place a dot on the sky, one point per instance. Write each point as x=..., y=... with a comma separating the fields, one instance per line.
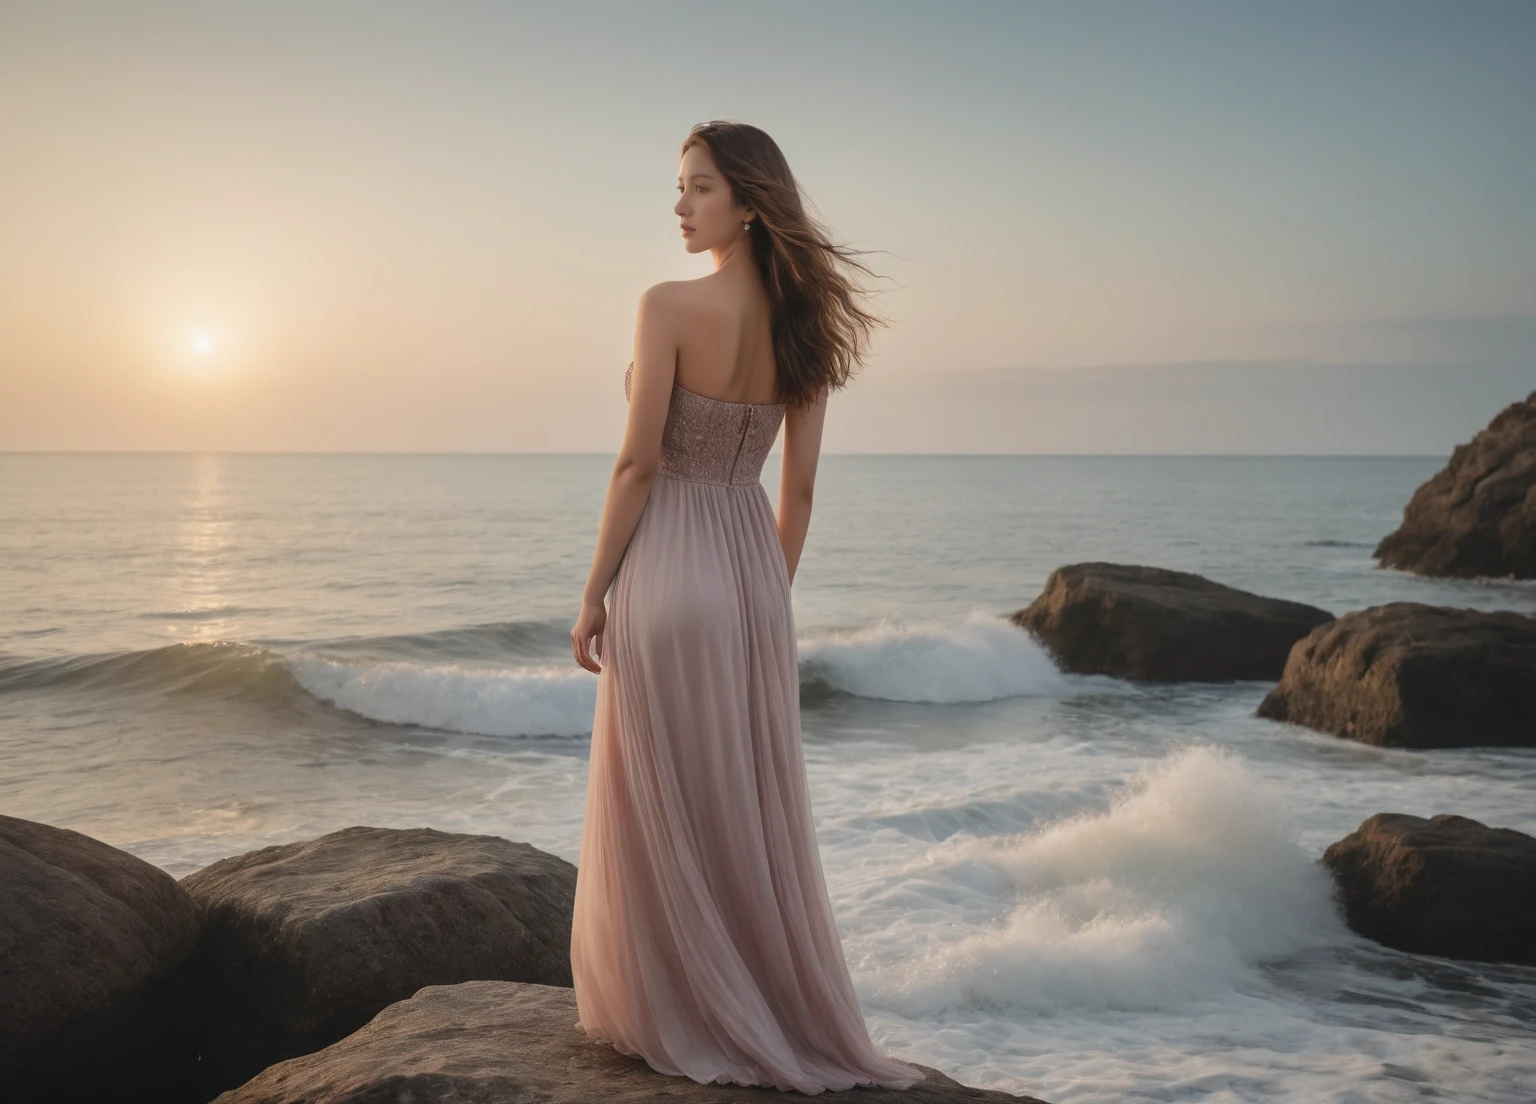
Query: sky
x=1161, y=227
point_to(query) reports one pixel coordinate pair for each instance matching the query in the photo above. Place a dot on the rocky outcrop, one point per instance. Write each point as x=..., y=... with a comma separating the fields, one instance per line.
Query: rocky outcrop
x=91, y=939
x=1154, y=623
x=1405, y=674
x=486, y=1041
x=1446, y=886
x=1477, y=515
x=306, y=942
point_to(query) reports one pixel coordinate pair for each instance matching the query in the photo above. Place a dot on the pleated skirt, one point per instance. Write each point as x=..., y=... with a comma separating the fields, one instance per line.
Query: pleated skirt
x=703, y=939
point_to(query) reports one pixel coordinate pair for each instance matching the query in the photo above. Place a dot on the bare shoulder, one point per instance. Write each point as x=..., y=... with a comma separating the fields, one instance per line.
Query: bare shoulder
x=665, y=289
x=667, y=292
x=664, y=301
x=675, y=302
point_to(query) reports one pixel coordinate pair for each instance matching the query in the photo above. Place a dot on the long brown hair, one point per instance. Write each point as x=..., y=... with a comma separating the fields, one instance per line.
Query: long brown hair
x=819, y=331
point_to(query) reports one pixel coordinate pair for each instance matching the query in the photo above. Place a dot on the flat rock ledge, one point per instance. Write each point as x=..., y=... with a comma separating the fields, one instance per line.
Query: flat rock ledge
x=305, y=942
x=1405, y=674
x=1477, y=515
x=1153, y=623
x=1447, y=886
x=493, y=1042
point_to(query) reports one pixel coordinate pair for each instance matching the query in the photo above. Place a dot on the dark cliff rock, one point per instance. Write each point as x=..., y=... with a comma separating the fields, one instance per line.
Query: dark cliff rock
x=1446, y=886
x=1155, y=623
x=1477, y=515
x=1405, y=674
x=306, y=942
x=91, y=944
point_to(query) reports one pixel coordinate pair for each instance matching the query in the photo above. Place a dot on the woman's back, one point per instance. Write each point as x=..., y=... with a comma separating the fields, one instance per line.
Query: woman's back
x=725, y=338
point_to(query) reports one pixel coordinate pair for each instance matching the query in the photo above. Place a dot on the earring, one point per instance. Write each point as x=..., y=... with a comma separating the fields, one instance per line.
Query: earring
x=747, y=225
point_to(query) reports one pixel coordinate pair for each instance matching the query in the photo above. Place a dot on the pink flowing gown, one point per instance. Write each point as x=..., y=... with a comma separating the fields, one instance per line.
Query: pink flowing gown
x=704, y=940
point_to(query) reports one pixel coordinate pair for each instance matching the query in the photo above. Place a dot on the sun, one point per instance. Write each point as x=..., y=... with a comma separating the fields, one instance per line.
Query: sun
x=202, y=349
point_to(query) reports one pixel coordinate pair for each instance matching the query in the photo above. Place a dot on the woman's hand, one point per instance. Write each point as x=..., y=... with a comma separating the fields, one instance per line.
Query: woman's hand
x=589, y=627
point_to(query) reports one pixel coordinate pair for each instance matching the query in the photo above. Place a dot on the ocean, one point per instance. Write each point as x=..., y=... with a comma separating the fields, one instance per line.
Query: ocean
x=1076, y=887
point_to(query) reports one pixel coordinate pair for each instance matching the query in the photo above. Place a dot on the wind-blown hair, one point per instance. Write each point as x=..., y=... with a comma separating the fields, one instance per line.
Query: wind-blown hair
x=819, y=331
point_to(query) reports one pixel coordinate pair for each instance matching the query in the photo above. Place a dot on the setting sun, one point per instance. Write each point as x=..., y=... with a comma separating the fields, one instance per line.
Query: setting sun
x=200, y=343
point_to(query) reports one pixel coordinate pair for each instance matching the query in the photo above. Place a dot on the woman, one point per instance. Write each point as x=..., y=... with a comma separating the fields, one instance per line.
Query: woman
x=703, y=938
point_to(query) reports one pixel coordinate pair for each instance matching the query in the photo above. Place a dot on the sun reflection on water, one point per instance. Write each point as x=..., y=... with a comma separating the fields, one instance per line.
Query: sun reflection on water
x=201, y=556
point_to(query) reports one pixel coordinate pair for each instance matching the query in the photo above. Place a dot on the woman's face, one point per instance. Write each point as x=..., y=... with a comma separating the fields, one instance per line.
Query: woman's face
x=709, y=217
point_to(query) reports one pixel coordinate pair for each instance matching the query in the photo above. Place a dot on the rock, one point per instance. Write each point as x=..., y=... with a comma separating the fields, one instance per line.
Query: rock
x=1405, y=674
x=91, y=938
x=1446, y=886
x=1154, y=623
x=488, y=1042
x=306, y=942
x=1477, y=515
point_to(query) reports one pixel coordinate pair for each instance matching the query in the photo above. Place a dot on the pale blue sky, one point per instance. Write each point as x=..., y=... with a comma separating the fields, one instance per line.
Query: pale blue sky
x=425, y=226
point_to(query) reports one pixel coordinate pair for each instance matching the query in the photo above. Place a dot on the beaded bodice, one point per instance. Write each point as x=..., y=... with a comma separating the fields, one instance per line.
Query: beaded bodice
x=714, y=441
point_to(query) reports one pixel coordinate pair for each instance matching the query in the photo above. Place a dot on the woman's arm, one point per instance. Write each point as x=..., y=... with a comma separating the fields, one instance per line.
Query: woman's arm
x=629, y=487
x=797, y=480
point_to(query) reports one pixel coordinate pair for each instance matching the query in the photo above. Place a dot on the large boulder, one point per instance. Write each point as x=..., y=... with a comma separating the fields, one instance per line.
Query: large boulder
x=484, y=1042
x=1155, y=623
x=306, y=942
x=1446, y=886
x=1477, y=515
x=1405, y=674
x=91, y=939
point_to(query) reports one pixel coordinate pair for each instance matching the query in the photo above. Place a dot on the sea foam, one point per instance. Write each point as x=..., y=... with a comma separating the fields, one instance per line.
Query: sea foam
x=1177, y=891
x=981, y=658
x=516, y=701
